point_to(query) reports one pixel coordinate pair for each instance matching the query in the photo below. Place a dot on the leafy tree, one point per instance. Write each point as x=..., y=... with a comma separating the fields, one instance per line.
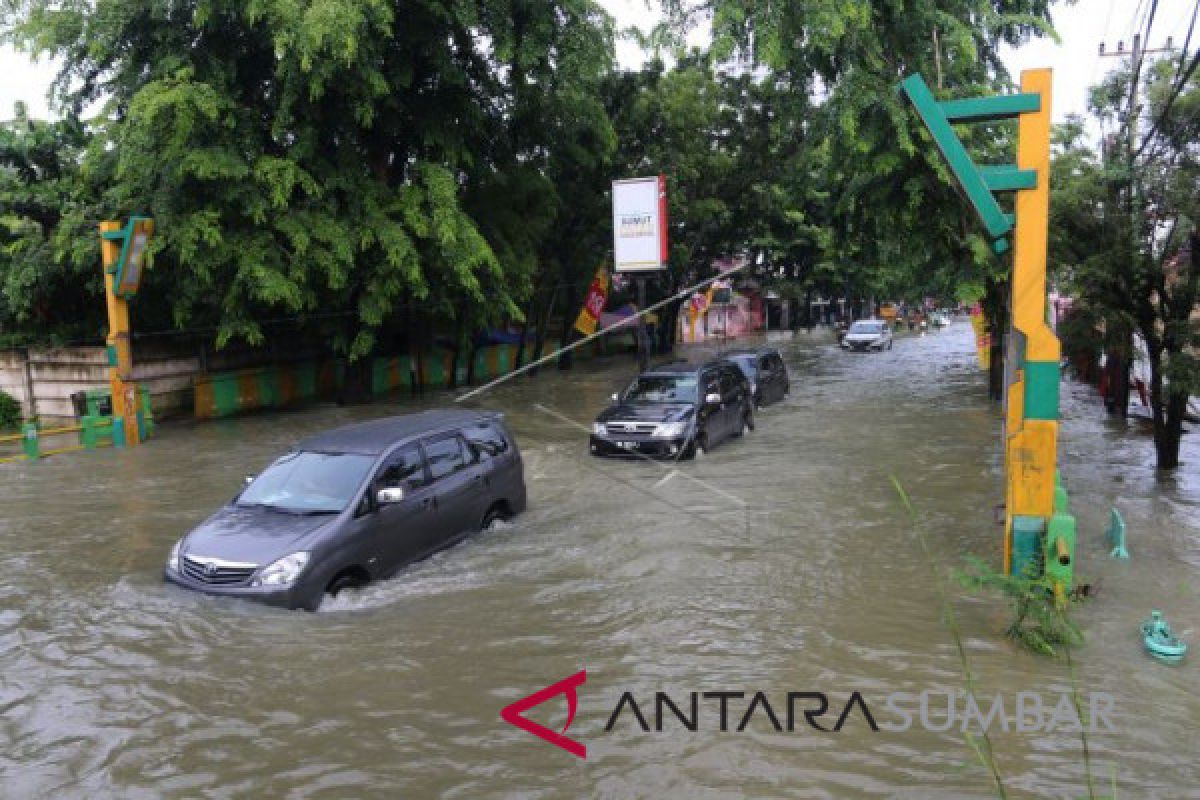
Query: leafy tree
x=1129, y=247
x=48, y=211
x=10, y=412
x=893, y=216
x=362, y=165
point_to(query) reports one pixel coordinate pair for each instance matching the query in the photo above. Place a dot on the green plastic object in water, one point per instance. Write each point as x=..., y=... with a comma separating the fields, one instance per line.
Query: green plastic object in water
x=1116, y=535
x=1159, y=641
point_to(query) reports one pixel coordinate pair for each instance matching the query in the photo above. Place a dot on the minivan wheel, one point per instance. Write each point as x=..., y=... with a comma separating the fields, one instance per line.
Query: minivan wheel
x=347, y=579
x=496, y=513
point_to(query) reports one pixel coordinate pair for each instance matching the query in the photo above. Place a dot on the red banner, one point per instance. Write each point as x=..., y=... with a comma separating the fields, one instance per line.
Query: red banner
x=597, y=296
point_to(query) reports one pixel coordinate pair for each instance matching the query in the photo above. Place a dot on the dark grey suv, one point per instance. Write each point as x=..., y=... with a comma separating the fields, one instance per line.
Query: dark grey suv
x=355, y=504
x=676, y=410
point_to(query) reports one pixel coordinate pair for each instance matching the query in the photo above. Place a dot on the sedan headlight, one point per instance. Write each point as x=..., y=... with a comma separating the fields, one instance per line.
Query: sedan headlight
x=599, y=428
x=669, y=430
x=173, y=559
x=282, y=572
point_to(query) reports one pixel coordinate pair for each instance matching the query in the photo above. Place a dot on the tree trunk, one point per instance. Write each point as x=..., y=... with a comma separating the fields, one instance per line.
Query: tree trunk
x=669, y=325
x=568, y=332
x=529, y=317
x=1166, y=441
x=995, y=314
x=1166, y=435
x=1120, y=384
x=1171, y=406
x=539, y=341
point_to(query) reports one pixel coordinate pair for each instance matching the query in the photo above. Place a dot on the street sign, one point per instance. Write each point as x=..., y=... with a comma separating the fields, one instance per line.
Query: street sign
x=127, y=269
x=639, y=209
x=979, y=183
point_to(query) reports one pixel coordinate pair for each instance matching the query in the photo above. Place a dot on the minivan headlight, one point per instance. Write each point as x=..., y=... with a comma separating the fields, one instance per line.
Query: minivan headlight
x=282, y=572
x=668, y=430
x=599, y=429
x=173, y=559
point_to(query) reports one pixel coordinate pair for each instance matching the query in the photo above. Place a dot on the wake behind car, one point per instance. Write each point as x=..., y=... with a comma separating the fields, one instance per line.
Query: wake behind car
x=764, y=368
x=353, y=505
x=675, y=410
x=868, y=334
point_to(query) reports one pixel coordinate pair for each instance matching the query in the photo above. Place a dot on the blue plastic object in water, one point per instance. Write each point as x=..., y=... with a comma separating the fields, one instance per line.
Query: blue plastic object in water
x=1116, y=535
x=1159, y=641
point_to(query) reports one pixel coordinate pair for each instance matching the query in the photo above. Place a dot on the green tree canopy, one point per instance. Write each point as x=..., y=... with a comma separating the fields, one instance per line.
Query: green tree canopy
x=330, y=155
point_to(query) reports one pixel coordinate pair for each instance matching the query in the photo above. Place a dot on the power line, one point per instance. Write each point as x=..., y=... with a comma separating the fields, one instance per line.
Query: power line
x=1107, y=21
x=1181, y=79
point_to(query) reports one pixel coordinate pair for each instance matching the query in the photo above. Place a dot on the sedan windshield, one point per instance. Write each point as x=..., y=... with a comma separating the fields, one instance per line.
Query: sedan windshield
x=303, y=482
x=866, y=327
x=662, y=389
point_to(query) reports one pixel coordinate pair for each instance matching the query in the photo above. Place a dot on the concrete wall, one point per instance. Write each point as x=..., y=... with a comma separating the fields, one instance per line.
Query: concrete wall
x=55, y=373
x=13, y=378
x=191, y=379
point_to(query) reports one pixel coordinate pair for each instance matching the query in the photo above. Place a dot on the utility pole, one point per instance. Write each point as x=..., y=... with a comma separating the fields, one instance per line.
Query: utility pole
x=1120, y=364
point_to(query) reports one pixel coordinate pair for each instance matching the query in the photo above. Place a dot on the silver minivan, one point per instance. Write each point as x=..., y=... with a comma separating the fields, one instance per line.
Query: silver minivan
x=353, y=505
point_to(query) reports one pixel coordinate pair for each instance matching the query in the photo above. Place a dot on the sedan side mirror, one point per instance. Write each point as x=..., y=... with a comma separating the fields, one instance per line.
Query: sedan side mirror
x=389, y=496
x=247, y=480
x=712, y=399
x=615, y=398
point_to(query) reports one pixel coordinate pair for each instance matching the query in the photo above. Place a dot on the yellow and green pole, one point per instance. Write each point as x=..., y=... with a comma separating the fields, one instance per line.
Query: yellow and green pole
x=1039, y=532
x=122, y=252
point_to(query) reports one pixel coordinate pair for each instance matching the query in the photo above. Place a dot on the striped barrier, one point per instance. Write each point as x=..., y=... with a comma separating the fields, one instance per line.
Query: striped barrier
x=228, y=393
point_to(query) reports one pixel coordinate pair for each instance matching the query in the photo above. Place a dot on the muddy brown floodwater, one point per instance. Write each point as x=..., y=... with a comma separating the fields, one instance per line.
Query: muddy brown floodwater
x=780, y=563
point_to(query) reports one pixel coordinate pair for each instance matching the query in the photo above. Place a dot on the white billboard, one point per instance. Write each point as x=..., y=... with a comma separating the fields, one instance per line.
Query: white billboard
x=639, y=207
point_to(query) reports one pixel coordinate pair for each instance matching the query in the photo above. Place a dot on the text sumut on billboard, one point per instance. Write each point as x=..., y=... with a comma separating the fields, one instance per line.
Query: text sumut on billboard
x=639, y=224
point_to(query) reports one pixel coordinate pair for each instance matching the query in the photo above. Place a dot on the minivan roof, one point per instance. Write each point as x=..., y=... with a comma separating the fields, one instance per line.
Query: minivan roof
x=377, y=435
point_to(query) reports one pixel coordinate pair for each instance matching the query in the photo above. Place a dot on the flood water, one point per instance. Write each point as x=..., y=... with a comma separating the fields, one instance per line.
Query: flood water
x=782, y=562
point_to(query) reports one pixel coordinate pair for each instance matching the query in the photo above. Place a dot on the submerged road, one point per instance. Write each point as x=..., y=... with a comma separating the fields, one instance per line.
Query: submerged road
x=780, y=563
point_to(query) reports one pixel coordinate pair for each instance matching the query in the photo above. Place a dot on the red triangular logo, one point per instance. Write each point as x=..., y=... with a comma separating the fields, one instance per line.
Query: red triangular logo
x=512, y=713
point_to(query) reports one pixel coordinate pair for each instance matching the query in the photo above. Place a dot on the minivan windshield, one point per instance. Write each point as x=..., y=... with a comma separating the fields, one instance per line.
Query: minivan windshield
x=866, y=327
x=308, y=483
x=662, y=389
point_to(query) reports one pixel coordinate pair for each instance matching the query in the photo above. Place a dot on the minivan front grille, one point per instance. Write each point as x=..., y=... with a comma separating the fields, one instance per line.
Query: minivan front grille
x=632, y=427
x=216, y=572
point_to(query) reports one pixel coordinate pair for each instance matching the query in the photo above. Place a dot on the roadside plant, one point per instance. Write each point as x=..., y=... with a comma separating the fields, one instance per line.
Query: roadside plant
x=1038, y=624
x=10, y=412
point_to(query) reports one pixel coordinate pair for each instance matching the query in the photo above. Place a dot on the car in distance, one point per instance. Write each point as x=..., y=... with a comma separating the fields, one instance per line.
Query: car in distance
x=675, y=410
x=764, y=368
x=355, y=504
x=868, y=334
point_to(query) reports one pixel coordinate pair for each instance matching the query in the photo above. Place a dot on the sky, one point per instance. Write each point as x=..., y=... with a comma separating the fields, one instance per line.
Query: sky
x=1076, y=62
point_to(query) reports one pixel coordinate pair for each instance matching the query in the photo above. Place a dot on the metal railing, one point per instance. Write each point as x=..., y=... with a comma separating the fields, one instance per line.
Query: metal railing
x=93, y=431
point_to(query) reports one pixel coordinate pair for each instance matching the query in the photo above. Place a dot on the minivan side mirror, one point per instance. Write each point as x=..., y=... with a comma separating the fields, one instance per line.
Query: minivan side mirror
x=712, y=399
x=389, y=496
